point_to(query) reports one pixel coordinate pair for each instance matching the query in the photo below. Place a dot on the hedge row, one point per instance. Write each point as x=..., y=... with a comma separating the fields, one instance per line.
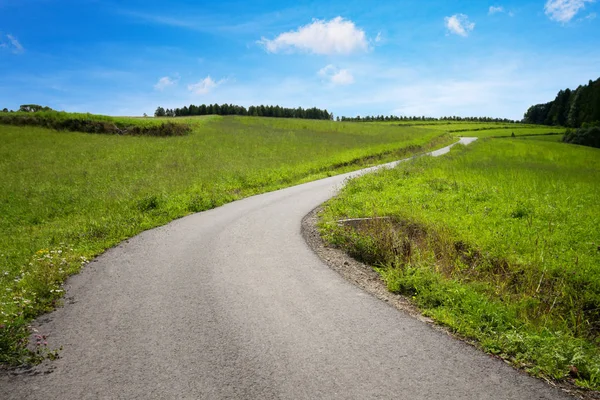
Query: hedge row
x=64, y=121
x=584, y=136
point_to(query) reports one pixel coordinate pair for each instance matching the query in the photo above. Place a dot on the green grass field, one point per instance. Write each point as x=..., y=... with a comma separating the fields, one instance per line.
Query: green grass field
x=544, y=138
x=500, y=241
x=475, y=129
x=494, y=129
x=507, y=132
x=68, y=196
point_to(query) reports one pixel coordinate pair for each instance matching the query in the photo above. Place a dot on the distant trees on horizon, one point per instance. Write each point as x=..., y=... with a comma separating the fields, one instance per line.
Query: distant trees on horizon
x=29, y=108
x=309, y=113
x=570, y=108
x=256, y=111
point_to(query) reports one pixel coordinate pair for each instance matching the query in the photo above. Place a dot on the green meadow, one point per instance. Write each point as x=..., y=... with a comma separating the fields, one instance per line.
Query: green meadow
x=499, y=241
x=476, y=129
x=68, y=196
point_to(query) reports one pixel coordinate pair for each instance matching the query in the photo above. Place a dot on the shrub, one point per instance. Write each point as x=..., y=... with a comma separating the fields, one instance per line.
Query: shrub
x=92, y=124
x=589, y=136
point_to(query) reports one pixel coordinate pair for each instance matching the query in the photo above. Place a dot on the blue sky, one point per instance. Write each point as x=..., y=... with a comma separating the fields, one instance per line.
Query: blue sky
x=433, y=58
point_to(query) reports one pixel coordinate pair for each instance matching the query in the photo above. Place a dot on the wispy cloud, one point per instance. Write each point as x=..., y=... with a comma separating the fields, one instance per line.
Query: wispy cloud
x=500, y=10
x=337, y=36
x=211, y=23
x=494, y=10
x=564, y=10
x=459, y=24
x=13, y=44
x=165, y=82
x=378, y=38
x=161, y=19
x=336, y=76
x=205, y=86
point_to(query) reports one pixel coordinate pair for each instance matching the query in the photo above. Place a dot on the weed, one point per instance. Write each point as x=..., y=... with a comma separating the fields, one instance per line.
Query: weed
x=148, y=203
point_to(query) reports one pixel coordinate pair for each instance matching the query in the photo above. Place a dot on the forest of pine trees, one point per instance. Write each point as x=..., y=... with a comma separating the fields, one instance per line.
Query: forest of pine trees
x=570, y=108
x=256, y=111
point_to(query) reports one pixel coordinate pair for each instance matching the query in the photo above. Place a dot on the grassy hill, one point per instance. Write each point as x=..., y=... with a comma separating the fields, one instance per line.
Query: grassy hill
x=68, y=196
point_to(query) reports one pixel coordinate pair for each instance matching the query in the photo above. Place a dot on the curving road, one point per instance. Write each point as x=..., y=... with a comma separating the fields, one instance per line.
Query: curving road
x=232, y=304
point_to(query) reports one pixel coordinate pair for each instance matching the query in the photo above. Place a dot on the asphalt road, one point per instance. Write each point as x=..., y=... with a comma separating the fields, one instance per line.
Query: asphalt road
x=232, y=304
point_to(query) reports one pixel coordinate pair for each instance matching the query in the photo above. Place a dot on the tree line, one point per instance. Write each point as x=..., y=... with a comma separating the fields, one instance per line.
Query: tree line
x=256, y=111
x=587, y=135
x=392, y=118
x=29, y=108
x=570, y=108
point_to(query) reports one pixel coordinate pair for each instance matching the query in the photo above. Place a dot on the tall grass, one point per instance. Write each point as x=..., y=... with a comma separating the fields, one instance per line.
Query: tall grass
x=499, y=241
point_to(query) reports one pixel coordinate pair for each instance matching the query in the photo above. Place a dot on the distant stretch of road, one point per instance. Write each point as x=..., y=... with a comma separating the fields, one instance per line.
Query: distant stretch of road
x=231, y=303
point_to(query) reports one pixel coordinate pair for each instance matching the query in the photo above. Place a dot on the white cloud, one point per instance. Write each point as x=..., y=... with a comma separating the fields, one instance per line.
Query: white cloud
x=591, y=16
x=17, y=46
x=564, y=10
x=342, y=77
x=337, y=76
x=337, y=36
x=164, y=83
x=495, y=10
x=205, y=85
x=378, y=38
x=459, y=24
x=12, y=44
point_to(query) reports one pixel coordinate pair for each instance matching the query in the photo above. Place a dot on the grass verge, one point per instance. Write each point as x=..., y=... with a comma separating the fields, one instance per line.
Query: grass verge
x=499, y=241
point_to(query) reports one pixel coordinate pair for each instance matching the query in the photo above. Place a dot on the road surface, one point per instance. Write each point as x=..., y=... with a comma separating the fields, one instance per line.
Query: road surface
x=232, y=304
